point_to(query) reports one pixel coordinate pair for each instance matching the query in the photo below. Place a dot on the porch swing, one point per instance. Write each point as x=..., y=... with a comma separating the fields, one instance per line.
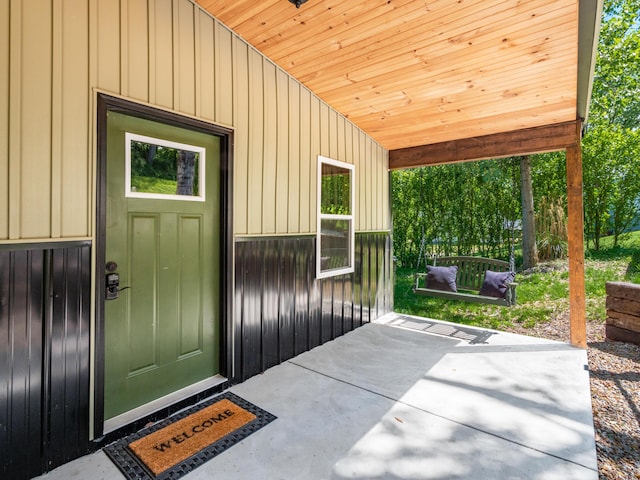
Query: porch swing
x=467, y=278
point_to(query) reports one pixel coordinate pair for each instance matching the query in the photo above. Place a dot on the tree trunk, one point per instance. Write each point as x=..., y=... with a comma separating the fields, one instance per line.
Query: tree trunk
x=529, y=251
x=151, y=154
x=186, y=172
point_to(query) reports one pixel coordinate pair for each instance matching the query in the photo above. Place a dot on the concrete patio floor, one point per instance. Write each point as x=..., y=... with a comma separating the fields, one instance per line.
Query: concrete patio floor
x=391, y=400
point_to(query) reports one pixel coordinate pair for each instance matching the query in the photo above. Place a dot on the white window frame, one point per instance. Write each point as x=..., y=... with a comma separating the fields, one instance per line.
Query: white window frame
x=201, y=151
x=323, y=216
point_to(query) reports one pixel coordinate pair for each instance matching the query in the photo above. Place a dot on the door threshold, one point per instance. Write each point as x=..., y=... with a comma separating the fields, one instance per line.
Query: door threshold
x=142, y=411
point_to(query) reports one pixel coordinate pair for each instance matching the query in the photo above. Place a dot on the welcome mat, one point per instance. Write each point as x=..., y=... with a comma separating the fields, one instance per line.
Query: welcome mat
x=177, y=445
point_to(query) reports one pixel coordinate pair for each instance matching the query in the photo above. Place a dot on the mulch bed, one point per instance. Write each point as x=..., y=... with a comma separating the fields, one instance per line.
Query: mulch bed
x=615, y=395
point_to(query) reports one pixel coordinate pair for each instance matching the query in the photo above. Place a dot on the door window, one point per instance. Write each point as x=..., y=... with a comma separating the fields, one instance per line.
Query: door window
x=157, y=168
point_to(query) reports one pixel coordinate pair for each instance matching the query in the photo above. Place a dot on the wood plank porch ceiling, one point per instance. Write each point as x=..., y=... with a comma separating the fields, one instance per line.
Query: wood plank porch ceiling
x=419, y=72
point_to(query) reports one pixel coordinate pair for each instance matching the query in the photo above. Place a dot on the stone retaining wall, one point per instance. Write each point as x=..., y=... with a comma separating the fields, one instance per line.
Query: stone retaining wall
x=623, y=312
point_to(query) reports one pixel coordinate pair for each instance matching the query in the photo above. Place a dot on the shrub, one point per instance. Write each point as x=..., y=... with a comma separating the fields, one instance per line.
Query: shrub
x=551, y=230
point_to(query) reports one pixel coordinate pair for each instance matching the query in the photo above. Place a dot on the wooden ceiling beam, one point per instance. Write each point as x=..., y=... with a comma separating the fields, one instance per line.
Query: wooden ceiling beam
x=528, y=141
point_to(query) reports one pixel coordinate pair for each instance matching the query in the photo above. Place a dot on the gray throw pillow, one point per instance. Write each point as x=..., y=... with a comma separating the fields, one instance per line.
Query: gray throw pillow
x=442, y=278
x=495, y=283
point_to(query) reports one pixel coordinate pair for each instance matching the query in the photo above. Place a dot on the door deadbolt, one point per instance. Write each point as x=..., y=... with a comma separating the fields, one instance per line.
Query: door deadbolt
x=112, y=282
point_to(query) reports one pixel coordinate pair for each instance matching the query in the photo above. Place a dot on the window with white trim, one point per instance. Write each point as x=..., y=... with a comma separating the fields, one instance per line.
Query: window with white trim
x=336, y=205
x=160, y=169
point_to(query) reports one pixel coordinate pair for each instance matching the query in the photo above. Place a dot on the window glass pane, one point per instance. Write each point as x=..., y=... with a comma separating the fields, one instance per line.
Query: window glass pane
x=336, y=190
x=164, y=170
x=335, y=244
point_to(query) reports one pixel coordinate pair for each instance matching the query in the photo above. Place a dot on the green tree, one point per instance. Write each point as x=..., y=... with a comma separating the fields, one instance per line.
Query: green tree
x=549, y=175
x=454, y=209
x=612, y=181
x=610, y=144
x=616, y=83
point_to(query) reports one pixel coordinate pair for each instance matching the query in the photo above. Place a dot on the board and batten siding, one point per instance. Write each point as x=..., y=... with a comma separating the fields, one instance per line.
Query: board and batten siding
x=173, y=55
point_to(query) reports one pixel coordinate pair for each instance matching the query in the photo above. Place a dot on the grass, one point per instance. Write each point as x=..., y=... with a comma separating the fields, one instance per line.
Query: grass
x=542, y=294
x=153, y=185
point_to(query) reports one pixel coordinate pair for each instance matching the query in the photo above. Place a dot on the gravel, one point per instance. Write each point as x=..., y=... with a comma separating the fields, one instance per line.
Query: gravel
x=615, y=395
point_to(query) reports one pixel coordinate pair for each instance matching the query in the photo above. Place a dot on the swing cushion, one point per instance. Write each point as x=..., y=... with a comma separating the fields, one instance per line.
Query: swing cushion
x=442, y=278
x=495, y=283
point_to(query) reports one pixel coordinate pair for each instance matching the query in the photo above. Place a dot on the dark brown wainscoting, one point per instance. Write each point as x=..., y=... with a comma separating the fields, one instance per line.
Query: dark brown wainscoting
x=44, y=356
x=282, y=310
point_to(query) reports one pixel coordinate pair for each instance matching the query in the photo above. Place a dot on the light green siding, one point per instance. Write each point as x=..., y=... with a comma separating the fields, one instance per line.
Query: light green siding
x=170, y=54
x=4, y=119
x=296, y=196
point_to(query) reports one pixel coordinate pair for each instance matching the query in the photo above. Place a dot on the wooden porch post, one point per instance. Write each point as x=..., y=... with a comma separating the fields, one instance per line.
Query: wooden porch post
x=577, y=311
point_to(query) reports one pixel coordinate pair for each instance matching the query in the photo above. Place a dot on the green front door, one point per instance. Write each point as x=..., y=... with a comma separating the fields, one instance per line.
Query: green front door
x=162, y=333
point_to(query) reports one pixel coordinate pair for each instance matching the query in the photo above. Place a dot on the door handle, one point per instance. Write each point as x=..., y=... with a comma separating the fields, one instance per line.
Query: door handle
x=112, y=282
